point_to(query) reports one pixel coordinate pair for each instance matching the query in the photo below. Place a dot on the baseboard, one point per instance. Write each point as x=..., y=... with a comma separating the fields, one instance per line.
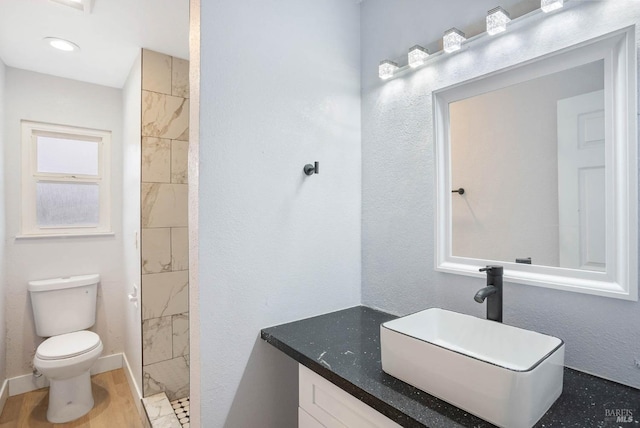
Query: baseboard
x=107, y=363
x=4, y=394
x=135, y=389
x=28, y=382
x=133, y=385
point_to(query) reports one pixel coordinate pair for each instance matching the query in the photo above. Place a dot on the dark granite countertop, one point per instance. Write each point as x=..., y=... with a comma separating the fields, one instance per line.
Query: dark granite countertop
x=344, y=348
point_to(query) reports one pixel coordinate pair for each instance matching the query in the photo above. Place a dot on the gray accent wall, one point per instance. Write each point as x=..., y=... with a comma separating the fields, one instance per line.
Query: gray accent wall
x=398, y=179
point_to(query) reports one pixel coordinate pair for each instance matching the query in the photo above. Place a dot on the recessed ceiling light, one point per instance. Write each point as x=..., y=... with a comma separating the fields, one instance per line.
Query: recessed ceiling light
x=62, y=44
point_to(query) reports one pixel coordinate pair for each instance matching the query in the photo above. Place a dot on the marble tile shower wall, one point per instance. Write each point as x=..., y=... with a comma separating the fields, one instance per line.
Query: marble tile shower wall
x=165, y=275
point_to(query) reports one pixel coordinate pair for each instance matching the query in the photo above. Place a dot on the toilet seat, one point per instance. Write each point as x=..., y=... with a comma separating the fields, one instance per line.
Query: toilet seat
x=68, y=345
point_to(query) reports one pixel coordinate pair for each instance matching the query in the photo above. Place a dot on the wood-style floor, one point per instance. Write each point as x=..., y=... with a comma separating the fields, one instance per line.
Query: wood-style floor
x=114, y=406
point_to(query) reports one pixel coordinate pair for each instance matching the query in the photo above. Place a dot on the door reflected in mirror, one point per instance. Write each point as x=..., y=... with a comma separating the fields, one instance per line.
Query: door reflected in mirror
x=546, y=152
x=531, y=158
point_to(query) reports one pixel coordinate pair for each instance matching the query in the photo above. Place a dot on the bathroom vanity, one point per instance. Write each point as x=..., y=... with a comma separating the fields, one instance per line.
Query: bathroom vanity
x=342, y=383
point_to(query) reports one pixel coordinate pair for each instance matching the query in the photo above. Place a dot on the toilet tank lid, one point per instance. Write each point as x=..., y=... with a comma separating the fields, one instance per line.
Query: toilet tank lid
x=60, y=283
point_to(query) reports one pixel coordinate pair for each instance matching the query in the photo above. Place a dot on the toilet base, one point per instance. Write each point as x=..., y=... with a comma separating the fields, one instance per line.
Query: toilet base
x=69, y=399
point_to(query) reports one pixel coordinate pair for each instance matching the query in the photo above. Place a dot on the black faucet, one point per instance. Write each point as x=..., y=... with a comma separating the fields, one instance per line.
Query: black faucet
x=493, y=291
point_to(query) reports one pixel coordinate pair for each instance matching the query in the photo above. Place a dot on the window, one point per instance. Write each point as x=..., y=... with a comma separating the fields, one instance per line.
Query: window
x=65, y=180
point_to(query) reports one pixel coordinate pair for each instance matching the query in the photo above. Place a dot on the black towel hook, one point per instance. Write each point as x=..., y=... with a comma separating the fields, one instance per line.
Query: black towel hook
x=312, y=169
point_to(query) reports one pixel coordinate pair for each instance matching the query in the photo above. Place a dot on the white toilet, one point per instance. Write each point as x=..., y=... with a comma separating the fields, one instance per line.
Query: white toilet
x=62, y=309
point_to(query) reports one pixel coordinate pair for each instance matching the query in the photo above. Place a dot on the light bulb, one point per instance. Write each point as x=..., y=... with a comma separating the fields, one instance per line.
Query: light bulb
x=497, y=19
x=417, y=56
x=386, y=69
x=550, y=5
x=452, y=40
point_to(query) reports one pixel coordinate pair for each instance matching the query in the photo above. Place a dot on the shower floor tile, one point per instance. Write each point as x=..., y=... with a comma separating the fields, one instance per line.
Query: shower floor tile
x=159, y=412
x=181, y=409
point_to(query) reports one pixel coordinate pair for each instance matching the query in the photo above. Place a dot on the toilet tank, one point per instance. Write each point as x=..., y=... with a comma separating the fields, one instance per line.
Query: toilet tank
x=64, y=305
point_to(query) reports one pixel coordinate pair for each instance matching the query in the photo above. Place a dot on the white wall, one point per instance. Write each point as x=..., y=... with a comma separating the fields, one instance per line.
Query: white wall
x=131, y=153
x=398, y=212
x=38, y=97
x=280, y=89
x=3, y=365
x=193, y=165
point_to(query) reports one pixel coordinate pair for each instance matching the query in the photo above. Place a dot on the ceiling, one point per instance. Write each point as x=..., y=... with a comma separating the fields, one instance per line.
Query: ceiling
x=110, y=36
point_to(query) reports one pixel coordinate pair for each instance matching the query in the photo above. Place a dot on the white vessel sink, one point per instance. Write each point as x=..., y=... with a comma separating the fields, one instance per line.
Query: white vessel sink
x=503, y=374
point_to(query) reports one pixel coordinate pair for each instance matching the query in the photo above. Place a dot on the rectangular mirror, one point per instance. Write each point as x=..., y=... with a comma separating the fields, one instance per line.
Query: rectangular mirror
x=548, y=134
x=537, y=170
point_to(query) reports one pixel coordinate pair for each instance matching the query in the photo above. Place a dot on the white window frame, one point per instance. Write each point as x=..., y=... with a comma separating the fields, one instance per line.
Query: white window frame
x=31, y=176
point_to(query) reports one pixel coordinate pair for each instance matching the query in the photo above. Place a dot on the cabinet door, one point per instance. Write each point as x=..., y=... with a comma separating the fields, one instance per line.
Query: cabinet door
x=334, y=408
x=306, y=421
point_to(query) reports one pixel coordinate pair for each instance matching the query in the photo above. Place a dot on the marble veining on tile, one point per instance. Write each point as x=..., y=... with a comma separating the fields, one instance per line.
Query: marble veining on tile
x=157, y=340
x=184, y=136
x=164, y=205
x=165, y=294
x=157, y=406
x=156, y=72
x=169, y=421
x=180, y=78
x=179, y=156
x=164, y=209
x=171, y=377
x=156, y=250
x=160, y=412
x=164, y=116
x=180, y=335
x=179, y=248
x=156, y=160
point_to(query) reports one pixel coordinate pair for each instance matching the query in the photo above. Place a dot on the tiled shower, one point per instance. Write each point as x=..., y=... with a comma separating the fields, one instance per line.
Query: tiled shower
x=164, y=239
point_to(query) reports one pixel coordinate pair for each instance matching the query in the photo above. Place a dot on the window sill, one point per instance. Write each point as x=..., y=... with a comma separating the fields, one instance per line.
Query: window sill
x=64, y=236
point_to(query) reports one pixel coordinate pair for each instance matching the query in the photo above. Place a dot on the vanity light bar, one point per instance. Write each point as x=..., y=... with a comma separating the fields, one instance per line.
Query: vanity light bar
x=417, y=56
x=551, y=5
x=452, y=40
x=497, y=19
x=386, y=69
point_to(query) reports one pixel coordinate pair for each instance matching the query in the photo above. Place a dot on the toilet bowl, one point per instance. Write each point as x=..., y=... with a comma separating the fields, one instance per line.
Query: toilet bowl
x=63, y=308
x=66, y=360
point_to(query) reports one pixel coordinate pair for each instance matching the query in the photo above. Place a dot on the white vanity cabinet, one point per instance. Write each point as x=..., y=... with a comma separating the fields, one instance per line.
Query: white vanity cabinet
x=322, y=404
